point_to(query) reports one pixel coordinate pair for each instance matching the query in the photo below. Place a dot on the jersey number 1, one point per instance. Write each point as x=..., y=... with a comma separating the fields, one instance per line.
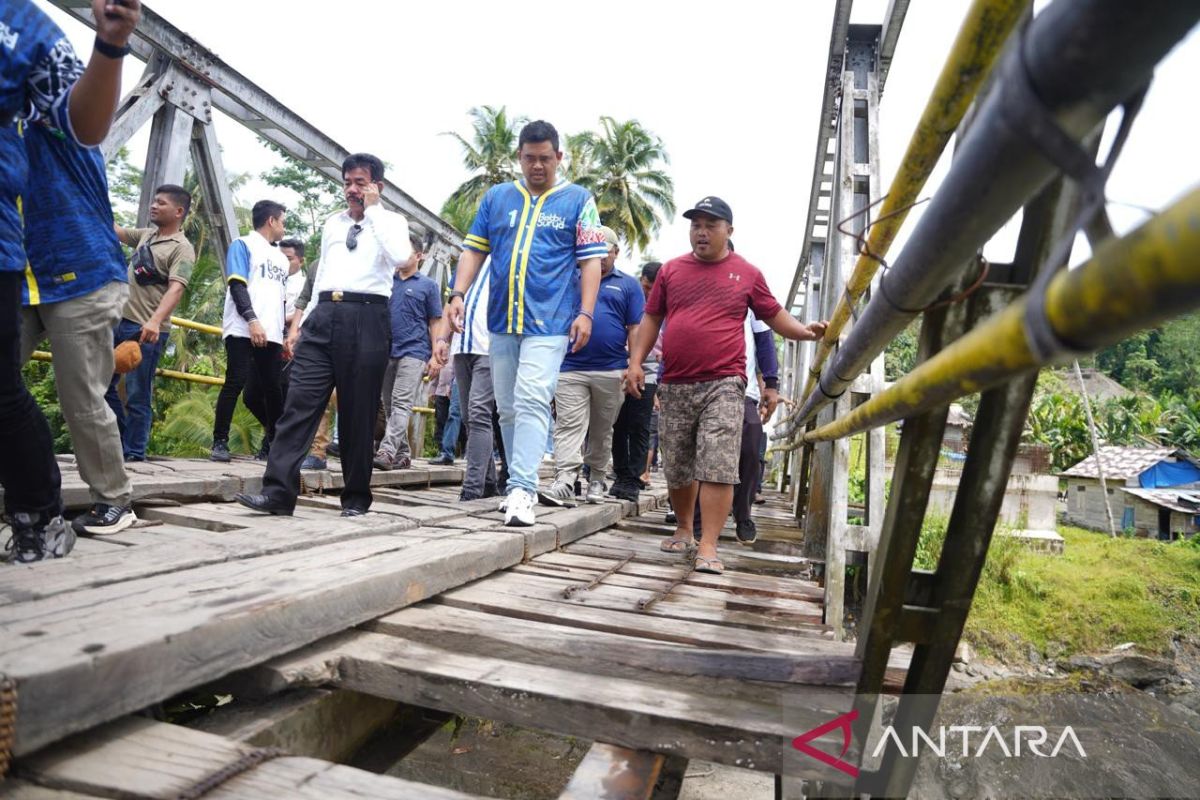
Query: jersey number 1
x=512, y=218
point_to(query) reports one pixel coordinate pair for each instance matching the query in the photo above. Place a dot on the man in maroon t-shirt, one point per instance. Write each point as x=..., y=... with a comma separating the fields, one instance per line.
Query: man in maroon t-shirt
x=704, y=297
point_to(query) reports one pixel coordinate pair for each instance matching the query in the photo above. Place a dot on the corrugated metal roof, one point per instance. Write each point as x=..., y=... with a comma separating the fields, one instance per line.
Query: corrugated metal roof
x=1120, y=463
x=1185, y=502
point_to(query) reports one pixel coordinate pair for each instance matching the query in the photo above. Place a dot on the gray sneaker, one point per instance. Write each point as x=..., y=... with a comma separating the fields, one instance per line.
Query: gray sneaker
x=560, y=494
x=37, y=536
x=595, y=492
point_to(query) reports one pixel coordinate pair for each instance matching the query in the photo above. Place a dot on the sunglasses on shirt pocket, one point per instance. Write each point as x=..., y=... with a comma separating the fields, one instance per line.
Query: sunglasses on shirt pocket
x=352, y=236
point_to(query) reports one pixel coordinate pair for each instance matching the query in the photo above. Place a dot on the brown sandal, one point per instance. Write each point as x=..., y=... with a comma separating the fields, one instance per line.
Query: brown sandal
x=673, y=545
x=711, y=566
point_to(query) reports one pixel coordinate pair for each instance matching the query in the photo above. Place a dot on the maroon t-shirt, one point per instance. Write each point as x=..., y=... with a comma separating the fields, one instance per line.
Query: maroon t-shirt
x=704, y=303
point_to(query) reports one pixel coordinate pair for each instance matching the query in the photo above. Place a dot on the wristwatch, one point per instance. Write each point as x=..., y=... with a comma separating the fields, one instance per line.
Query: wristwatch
x=111, y=50
x=457, y=294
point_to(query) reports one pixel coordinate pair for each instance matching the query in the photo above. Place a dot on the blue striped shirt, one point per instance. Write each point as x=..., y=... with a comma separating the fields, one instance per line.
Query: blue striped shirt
x=536, y=244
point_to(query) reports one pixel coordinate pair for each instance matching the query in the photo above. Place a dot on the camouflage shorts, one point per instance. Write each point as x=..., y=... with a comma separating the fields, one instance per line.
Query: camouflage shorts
x=700, y=430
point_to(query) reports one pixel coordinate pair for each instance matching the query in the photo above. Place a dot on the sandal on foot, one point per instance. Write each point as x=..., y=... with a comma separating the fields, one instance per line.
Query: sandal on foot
x=712, y=566
x=674, y=545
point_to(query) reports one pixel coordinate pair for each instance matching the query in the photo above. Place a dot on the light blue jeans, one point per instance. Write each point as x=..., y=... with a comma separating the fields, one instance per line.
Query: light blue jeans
x=524, y=376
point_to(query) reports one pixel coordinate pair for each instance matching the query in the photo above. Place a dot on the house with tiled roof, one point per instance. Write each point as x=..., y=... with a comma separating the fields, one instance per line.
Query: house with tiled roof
x=1154, y=491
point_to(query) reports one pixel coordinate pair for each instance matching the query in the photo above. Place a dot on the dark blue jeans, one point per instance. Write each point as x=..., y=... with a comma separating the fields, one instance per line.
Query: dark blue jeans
x=135, y=417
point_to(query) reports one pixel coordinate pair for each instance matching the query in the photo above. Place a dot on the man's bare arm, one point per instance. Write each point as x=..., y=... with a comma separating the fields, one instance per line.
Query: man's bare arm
x=789, y=327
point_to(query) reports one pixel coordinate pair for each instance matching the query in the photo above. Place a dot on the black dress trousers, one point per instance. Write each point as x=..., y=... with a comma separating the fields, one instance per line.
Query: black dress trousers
x=344, y=345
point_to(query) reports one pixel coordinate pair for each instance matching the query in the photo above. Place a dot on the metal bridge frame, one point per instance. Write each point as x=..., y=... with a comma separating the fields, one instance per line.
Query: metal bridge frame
x=183, y=84
x=1034, y=150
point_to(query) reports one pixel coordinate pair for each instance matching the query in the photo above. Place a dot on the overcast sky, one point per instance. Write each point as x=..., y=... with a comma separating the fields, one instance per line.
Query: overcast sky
x=732, y=89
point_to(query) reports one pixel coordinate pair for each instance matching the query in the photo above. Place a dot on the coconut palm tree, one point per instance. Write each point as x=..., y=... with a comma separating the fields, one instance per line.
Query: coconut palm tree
x=622, y=168
x=489, y=155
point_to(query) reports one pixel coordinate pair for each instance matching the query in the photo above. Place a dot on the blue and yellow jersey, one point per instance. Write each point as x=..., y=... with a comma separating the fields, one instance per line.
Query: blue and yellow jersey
x=71, y=247
x=38, y=68
x=535, y=244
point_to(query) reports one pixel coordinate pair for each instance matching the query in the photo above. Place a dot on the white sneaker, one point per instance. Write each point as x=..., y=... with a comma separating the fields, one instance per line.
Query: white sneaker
x=503, y=504
x=595, y=492
x=519, y=513
x=560, y=493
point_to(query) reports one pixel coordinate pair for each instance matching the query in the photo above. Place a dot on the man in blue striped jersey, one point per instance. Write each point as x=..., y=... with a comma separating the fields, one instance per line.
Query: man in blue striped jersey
x=41, y=78
x=546, y=245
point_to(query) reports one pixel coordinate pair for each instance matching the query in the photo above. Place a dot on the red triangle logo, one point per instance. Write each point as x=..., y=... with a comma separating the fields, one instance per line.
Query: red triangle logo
x=843, y=723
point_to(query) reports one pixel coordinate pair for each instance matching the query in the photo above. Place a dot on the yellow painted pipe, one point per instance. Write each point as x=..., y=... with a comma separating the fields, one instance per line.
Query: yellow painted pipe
x=984, y=31
x=42, y=355
x=1132, y=283
x=187, y=376
x=215, y=330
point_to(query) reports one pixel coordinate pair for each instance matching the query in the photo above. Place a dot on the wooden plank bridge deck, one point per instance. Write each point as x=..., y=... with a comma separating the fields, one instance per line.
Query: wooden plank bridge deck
x=578, y=625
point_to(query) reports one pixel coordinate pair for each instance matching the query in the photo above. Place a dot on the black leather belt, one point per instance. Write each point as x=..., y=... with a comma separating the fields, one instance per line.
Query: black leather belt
x=351, y=297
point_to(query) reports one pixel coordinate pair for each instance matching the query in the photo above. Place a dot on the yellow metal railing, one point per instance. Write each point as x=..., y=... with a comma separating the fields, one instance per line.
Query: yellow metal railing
x=979, y=42
x=209, y=380
x=1132, y=283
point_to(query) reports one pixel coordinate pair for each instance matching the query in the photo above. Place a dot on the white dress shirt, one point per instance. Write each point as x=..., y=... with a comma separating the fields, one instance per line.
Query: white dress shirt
x=368, y=268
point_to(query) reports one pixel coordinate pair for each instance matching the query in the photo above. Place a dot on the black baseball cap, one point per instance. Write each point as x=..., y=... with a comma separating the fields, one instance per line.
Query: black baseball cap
x=714, y=207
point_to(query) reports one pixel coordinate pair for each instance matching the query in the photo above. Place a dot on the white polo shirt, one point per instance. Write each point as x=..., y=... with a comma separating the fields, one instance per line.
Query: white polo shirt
x=474, y=338
x=368, y=268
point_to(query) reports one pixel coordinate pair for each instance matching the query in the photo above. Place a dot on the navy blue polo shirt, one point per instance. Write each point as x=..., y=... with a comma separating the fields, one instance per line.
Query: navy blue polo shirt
x=69, y=237
x=415, y=301
x=619, y=304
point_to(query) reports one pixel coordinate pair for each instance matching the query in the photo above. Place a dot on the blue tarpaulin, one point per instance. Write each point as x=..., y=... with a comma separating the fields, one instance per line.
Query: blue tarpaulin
x=1164, y=475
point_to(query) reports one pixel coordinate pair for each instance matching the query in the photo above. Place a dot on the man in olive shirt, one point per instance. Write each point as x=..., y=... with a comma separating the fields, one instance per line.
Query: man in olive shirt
x=158, y=273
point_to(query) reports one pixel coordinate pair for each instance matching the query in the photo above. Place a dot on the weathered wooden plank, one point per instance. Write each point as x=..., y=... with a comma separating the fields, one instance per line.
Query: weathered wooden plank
x=144, y=759
x=596, y=652
x=603, y=545
x=134, y=756
x=609, y=772
x=741, y=582
x=149, y=532
x=537, y=539
x=197, y=625
x=383, y=504
x=483, y=597
x=732, y=723
x=12, y=789
x=26, y=582
x=675, y=606
x=717, y=597
x=310, y=779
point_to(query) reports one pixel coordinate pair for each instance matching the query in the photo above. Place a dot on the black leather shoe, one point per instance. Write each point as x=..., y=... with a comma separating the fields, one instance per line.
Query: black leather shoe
x=260, y=502
x=352, y=512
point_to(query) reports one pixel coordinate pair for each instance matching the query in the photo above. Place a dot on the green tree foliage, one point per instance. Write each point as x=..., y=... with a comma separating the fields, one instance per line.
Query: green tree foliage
x=490, y=158
x=622, y=166
x=1163, y=361
x=901, y=354
x=1058, y=419
x=319, y=195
